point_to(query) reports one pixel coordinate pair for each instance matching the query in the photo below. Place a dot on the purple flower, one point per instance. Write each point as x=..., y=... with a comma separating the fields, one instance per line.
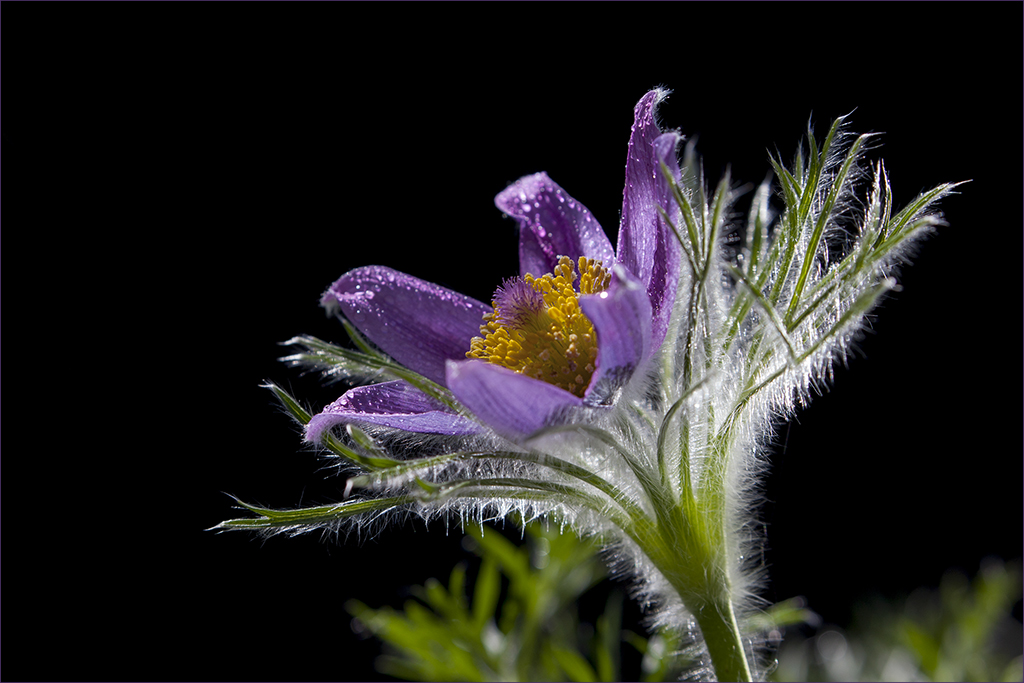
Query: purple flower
x=553, y=340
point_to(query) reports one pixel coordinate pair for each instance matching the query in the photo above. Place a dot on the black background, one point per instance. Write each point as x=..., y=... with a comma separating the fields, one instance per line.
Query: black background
x=182, y=181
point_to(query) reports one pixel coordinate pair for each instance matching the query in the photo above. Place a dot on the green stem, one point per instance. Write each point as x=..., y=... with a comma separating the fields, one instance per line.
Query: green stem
x=704, y=588
x=717, y=622
x=691, y=556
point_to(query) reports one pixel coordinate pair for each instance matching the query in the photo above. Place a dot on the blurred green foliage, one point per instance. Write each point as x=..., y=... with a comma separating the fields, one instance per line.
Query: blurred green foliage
x=517, y=619
x=963, y=631
x=519, y=623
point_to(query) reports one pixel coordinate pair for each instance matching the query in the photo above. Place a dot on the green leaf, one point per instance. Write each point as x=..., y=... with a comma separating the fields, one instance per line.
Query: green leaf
x=574, y=665
x=362, y=342
x=922, y=644
x=363, y=440
x=756, y=235
x=394, y=471
x=333, y=359
x=607, y=639
x=311, y=517
x=515, y=563
x=693, y=250
x=486, y=592
x=824, y=216
x=771, y=313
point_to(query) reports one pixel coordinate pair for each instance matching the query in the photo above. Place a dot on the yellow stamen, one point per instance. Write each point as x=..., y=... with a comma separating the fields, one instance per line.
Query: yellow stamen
x=546, y=337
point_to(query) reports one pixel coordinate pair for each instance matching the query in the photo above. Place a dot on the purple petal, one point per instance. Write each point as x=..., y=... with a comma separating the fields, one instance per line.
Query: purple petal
x=621, y=316
x=646, y=246
x=512, y=404
x=390, y=404
x=664, y=281
x=638, y=229
x=551, y=224
x=419, y=324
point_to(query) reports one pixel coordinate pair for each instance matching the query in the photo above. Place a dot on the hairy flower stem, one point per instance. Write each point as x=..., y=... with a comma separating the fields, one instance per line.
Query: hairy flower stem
x=721, y=633
x=686, y=541
x=695, y=567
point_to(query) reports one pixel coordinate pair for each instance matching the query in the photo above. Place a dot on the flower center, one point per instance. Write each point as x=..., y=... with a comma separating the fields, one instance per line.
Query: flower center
x=538, y=329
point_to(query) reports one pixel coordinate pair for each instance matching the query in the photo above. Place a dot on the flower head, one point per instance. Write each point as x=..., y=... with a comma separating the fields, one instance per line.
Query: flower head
x=553, y=339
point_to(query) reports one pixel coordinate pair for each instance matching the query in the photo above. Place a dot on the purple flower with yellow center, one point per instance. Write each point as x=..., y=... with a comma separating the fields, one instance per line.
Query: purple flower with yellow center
x=665, y=483
x=576, y=325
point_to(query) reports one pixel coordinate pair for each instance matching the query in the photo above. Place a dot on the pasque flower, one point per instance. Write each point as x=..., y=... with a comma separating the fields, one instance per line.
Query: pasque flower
x=554, y=340
x=628, y=393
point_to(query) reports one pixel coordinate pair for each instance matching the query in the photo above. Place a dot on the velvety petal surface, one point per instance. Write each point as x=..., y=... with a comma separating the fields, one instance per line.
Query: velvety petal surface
x=664, y=281
x=646, y=246
x=512, y=404
x=551, y=224
x=621, y=316
x=418, y=323
x=390, y=404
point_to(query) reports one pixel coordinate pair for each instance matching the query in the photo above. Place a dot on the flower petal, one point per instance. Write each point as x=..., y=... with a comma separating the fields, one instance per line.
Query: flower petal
x=512, y=404
x=664, y=282
x=551, y=224
x=418, y=323
x=390, y=404
x=621, y=316
x=646, y=246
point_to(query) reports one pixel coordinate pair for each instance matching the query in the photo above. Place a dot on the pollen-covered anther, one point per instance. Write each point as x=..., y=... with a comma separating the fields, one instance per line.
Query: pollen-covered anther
x=538, y=328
